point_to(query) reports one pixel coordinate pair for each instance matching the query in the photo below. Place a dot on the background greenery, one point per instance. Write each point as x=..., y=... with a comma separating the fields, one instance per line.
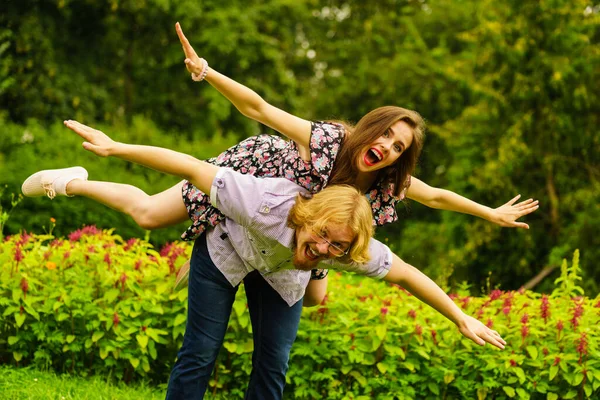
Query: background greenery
x=95, y=304
x=510, y=90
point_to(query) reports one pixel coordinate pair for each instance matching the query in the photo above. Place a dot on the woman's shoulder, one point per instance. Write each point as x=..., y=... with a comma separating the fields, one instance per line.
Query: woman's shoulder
x=331, y=128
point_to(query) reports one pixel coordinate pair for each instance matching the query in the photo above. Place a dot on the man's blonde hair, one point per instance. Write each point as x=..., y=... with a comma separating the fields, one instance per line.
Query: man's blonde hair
x=337, y=204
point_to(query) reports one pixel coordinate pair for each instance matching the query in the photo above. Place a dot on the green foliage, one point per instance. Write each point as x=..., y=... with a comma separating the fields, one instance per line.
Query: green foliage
x=509, y=90
x=96, y=304
x=90, y=304
x=29, y=383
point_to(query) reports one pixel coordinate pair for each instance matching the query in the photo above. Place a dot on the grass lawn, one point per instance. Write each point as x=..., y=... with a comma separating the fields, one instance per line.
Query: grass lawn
x=31, y=384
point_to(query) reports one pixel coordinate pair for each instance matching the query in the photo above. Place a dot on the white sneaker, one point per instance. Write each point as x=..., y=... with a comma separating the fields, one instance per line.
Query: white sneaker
x=52, y=182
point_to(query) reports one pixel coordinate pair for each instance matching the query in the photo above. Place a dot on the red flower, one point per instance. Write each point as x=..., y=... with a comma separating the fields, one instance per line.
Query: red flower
x=129, y=244
x=465, y=302
x=556, y=361
x=524, y=331
x=107, y=259
x=18, y=254
x=496, y=294
x=545, y=308
x=434, y=336
x=559, y=325
x=116, y=319
x=545, y=351
x=513, y=363
x=489, y=323
x=525, y=318
x=412, y=314
x=138, y=264
x=24, y=286
x=75, y=236
x=384, y=311
x=418, y=329
x=66, y=255
x=90, y=230
x=582, y=345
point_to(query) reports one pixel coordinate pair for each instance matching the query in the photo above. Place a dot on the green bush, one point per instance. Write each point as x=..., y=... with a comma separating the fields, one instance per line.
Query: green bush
x=94, y=303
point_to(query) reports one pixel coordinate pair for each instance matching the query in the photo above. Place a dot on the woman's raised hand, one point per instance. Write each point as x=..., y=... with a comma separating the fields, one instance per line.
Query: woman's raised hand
x=479, y=333
x=507, y=214
x=95, y=141
x=192, y=61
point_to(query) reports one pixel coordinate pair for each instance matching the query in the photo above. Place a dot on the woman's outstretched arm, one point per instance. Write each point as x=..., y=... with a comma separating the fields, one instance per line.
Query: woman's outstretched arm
x=428, y=292
x=505, y=215
x=248, y=102
x=200, y=173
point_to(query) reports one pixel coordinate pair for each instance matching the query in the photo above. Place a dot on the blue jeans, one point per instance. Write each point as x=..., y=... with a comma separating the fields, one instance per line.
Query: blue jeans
x=210, y=298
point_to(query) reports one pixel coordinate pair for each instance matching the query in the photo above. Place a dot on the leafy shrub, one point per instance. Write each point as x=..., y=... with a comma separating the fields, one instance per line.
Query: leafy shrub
x=94, y=303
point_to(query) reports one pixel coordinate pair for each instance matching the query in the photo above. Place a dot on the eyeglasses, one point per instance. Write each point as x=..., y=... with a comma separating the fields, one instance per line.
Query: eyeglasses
x=334, y=249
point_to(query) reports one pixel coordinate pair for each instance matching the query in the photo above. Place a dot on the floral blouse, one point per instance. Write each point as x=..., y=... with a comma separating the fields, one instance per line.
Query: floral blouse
x=272, y=156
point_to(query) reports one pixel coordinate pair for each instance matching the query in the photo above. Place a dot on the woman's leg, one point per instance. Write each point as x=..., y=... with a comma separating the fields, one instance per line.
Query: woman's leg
x=210, y=299
x=149, y=212
x=274, y=326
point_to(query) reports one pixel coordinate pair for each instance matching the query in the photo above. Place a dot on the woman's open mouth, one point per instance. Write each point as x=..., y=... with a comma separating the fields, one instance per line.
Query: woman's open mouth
x=372, y=157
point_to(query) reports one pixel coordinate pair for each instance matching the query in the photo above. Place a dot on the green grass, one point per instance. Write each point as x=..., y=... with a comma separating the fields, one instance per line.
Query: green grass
x=31, y=384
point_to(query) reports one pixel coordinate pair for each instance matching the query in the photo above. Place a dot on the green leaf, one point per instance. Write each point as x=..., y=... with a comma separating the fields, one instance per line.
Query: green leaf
x=570, y=394
x=345, y=369
x=510, y=392
x=230, y=346
x=522, y=393
x=423, y=353
x=577, y=379
x=62, y=317
x=448, y=378
x=16, y=295
x=12, y=340
x=520, y=374
x=97, y=336
x=381, y=331
x=533, y=352
x=142, y=340
x=18, y=356
x=587, y=388
x=381, y=367
x=103, y=353
x=135, y=362
x=111, y=295
x=359, y=378
x=434, y=388
x=70, y=338
x=179, y=319
x=553, y=371
x=19, y=319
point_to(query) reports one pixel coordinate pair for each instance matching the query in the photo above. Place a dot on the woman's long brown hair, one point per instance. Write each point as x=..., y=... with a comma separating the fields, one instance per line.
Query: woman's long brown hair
x=368, y=129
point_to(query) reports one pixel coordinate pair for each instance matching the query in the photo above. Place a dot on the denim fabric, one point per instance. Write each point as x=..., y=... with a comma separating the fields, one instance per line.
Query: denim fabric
x=210, y=299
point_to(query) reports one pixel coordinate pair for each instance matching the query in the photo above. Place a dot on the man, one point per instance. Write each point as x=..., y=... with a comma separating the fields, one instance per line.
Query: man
x=273, y=235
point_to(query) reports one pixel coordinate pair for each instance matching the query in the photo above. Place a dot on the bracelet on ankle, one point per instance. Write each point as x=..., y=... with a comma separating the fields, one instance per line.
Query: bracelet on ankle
x=200, y=77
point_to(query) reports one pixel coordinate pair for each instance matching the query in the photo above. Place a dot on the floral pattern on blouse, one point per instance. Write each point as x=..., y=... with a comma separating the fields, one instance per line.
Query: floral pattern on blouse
x=272, y=156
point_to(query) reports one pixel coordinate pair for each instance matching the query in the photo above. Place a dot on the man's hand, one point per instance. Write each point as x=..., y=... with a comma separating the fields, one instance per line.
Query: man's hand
x=479, y=333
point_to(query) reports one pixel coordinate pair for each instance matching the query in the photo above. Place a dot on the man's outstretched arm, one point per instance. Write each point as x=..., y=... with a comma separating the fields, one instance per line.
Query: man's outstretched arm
x=430, y=293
